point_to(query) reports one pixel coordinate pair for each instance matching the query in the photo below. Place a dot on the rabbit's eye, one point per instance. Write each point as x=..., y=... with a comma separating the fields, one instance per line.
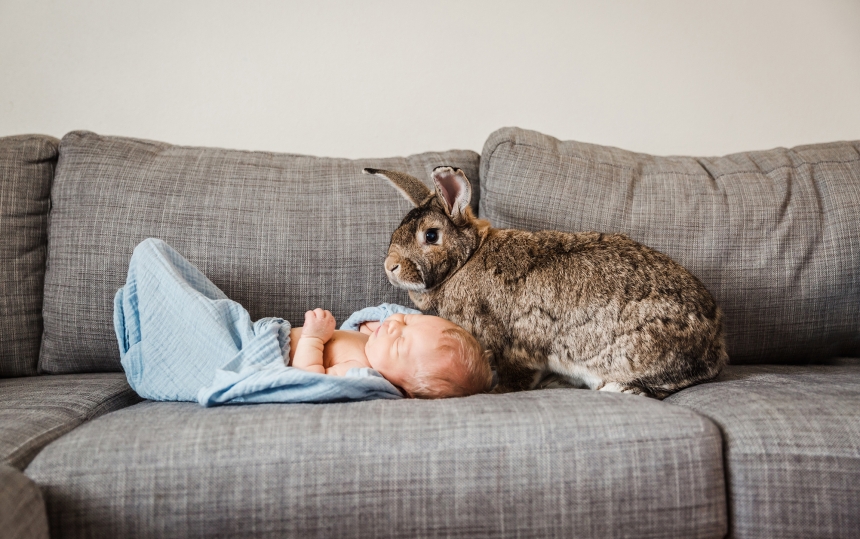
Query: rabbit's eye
x=432, y=235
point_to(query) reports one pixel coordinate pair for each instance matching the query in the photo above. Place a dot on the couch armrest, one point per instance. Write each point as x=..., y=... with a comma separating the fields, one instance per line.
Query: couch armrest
x=22, y=509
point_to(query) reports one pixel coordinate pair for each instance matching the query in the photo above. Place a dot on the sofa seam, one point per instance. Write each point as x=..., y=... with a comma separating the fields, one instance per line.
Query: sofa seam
x=160, y=147
x=705, y=174
x=19, y=457
x=99, y=410
x=21, y=452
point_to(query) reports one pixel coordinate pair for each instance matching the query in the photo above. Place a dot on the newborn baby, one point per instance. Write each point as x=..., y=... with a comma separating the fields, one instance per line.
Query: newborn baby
x=424, y=356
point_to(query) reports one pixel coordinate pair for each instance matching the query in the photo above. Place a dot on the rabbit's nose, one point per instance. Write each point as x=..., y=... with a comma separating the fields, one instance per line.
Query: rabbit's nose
x=391, y=265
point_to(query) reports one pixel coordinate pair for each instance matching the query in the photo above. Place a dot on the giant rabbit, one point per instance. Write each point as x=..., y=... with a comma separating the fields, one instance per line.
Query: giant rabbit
x=596, y=310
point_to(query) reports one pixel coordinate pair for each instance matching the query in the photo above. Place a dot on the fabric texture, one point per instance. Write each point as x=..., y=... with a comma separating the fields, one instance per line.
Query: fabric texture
x=26, y=172
x=36, y=410
x=22, y=510
x=375, y=313
x=183, y=339
x=278, y=233
x=792, y=437
x=552, y=463
x=773, y=235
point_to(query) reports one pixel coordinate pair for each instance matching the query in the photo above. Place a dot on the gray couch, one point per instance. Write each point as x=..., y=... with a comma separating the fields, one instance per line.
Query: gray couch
x=771, y=448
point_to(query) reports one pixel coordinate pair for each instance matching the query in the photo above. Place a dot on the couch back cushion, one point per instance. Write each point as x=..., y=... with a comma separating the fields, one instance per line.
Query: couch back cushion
x=774, y=235
x=278, y=233
x=26, y=170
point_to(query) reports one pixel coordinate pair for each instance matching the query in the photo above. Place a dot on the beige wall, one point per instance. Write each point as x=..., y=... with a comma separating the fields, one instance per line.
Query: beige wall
x=379, y=78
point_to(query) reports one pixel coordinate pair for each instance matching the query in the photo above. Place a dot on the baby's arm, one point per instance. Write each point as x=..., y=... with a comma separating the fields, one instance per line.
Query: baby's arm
x=343, y=367
x=318, y=329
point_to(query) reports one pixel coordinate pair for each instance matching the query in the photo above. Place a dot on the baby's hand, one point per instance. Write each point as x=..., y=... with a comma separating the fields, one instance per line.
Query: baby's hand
x=368, y=327
x=319, y=324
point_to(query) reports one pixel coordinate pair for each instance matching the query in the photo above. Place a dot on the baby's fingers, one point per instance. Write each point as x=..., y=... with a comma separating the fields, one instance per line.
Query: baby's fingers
x=316, y=313
x=368, y=327
x=319, y=317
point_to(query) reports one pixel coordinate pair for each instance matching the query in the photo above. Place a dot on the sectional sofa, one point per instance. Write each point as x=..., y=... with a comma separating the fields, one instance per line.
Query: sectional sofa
x=771, y=448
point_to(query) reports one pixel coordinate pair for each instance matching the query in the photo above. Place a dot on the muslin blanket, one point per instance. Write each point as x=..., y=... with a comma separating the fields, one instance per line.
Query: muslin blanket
x=182, y=339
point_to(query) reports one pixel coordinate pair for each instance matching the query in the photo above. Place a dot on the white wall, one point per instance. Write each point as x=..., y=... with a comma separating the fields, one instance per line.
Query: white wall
x=380, y=78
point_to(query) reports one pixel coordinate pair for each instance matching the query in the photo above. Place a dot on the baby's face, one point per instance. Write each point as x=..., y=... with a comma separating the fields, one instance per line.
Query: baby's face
x=402, y=343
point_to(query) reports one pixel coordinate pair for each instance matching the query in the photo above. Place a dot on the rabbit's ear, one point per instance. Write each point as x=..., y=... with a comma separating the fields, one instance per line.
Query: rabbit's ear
x=411, y=188
x=453, y=190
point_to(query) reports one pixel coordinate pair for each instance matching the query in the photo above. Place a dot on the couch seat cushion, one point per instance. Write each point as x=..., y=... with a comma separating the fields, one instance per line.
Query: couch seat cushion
x=558, y=462
x=26, y=172
x=38, y=409
x=278, y=233
x=774, y=235
x=792, y=438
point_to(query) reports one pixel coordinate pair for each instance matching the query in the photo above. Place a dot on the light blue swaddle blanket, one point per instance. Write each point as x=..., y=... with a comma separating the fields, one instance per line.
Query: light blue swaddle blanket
x=182, y=339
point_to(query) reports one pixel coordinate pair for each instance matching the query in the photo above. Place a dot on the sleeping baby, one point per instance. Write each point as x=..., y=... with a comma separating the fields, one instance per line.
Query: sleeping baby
x=182, y=339
x=424, y=356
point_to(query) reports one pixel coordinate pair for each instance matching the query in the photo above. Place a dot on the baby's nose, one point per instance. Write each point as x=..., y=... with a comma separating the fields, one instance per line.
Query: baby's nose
x=391, y=324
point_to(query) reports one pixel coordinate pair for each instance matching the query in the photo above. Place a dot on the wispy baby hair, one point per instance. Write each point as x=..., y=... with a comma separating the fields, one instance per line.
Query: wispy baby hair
x=471, y=364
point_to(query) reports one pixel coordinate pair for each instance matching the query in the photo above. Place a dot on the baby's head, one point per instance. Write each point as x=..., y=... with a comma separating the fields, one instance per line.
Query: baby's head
x=428, y=357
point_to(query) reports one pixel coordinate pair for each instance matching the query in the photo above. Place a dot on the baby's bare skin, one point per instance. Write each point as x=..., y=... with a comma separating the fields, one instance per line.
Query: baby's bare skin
x=344, y=350
x=396, y=348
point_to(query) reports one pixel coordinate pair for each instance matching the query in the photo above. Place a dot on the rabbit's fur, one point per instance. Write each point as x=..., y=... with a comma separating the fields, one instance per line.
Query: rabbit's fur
x=584, y=309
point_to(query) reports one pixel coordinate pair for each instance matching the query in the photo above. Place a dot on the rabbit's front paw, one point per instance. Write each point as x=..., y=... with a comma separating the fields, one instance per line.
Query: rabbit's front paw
x=615, y=387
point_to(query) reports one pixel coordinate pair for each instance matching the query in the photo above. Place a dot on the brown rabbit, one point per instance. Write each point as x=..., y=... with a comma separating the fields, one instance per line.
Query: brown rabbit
x=596, y=310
